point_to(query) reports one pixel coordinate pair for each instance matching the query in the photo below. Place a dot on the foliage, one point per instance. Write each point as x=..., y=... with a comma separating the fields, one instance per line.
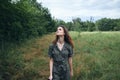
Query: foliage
x=24, y=19
x=20, y=20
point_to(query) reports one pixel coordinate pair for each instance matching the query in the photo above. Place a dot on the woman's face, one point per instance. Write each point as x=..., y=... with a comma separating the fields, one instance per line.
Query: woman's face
x=60, y=31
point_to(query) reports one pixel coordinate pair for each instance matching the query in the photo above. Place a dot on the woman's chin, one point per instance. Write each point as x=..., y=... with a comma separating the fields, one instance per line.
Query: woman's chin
x=58, y=34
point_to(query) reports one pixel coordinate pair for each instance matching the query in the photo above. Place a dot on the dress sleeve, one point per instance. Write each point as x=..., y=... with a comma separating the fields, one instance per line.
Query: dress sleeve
x=50, y=51
x=70, y=51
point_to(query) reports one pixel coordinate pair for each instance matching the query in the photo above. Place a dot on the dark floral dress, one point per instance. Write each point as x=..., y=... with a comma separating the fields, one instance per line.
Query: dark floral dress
x=61, y=70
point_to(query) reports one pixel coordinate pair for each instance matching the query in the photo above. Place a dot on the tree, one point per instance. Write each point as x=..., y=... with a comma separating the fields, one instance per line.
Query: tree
x=90, y=26
x=105, y=24
x=117, y=24
x=77, y=24
x=70, y=26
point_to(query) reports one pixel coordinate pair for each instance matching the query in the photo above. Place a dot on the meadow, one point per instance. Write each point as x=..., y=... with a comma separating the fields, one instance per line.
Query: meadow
x=96, y=56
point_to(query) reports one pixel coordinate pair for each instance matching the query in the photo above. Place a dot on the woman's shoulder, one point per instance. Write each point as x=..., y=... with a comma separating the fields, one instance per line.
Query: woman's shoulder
x=68, y=45
x=51, y=45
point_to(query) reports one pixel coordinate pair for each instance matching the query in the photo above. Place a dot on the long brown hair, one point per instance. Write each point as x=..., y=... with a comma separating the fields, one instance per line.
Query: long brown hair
x=67, y=37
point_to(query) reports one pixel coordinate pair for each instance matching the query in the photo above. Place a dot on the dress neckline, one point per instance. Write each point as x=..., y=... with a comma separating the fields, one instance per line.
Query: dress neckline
x=59, y=47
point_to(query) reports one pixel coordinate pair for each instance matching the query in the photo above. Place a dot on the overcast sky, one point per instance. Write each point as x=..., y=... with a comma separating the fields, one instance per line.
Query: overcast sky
x=84, y=9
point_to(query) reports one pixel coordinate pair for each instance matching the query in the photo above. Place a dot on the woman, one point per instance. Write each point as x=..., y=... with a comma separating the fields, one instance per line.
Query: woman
x=60, y=53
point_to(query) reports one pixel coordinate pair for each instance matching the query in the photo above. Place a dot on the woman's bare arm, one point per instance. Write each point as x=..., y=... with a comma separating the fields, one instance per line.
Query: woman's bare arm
x=51, y=68
x=71, y=67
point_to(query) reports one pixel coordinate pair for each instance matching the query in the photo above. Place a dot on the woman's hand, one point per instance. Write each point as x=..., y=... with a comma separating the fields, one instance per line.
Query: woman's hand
x=51, y=67
x=50, y=77
x=71, y=73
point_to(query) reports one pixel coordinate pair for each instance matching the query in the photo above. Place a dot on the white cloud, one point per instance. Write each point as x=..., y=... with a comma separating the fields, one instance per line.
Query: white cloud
x=68, y=9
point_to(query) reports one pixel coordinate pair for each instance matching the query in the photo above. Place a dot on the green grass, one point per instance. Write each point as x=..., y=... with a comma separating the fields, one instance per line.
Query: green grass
x=96, y=56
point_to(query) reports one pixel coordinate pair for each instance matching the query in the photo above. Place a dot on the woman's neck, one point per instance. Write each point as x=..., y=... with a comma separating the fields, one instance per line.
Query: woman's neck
x=61, y=39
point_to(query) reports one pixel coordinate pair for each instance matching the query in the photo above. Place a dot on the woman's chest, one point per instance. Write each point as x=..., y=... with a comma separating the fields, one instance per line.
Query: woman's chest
x=62, y=53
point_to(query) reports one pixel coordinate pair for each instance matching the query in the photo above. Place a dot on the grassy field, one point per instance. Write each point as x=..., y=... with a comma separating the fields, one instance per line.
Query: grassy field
x=96, y=56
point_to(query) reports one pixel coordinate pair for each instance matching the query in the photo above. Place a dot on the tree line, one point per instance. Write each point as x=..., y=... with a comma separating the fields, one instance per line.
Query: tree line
x=103, y=24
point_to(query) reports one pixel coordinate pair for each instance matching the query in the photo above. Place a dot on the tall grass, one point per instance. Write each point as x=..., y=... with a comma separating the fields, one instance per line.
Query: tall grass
x=11, y=61
x=96, y=57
